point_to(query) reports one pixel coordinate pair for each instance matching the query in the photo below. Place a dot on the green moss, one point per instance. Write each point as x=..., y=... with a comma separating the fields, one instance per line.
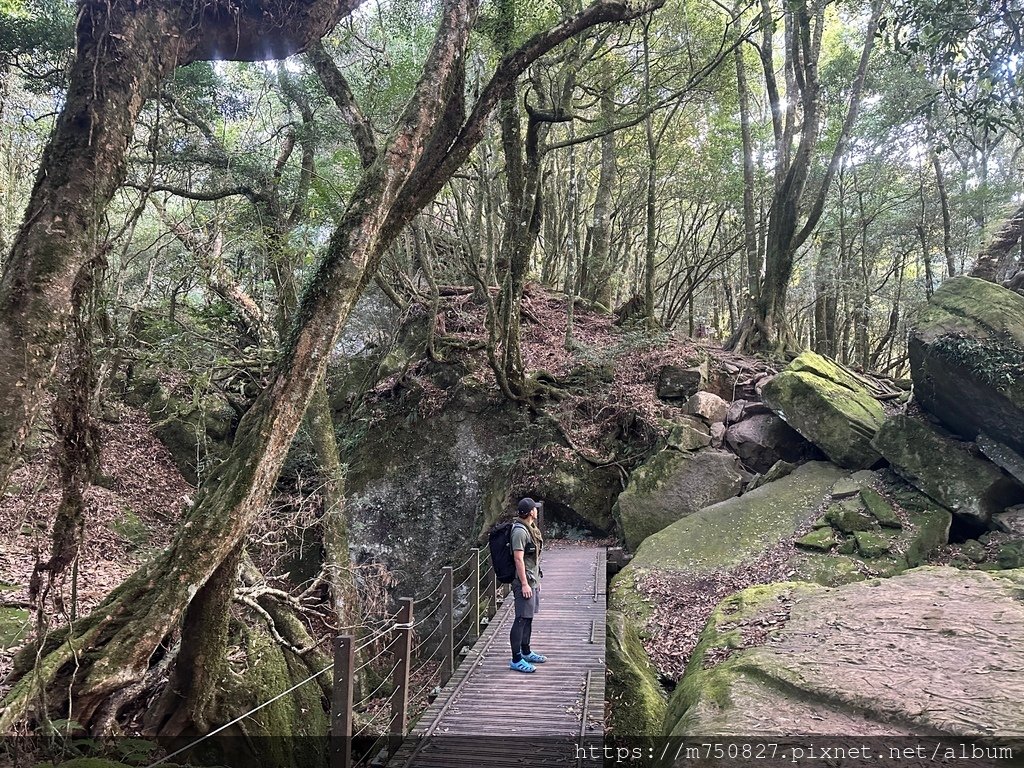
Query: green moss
x=732, y=532
x=871, y=544
x=13, y=626
x=1011, y=555
x=828, y=407
x=624, y=597
x=848, y=518
x=847, y=546
x=710, y=683
x=830, y=570
x=880, y=509
x=290, y=730
x=637, y=704
x=129, y=527
x=819, y=540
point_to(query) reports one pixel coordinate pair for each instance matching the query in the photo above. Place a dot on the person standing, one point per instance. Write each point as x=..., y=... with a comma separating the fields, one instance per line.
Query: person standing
x=527, y=543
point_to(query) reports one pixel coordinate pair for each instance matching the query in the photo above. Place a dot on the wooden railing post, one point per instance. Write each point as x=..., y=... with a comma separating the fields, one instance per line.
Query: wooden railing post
x=474, y=597
x=403, y=655
x=447, y=644
x=341, y=702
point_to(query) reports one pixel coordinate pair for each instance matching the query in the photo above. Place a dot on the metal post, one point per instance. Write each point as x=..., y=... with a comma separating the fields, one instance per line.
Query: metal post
x=540, y=516
x=403, y=654
x=493, y=590
x=474, y=597
x=447, y=645
x=341, y=702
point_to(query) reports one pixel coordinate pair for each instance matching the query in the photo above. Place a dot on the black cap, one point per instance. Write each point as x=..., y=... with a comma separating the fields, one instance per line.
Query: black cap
x=526, y=506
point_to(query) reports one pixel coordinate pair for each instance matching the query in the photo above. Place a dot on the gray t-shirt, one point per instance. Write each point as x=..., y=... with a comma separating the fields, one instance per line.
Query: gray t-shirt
x=520, y=538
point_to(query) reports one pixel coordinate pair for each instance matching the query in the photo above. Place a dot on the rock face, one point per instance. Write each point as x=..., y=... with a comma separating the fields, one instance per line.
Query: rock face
x=639, y=704
x=847, y=661
x=967, y=360
x=829, y=407
x=678, y=383
x=422, y=490
x=946, y=470
x=708, y=406
x=764, y=439
x=673, y=485
x=735, y=531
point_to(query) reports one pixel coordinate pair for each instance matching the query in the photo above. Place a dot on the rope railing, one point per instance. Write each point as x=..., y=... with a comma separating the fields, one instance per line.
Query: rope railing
x=429, y=595
x=437, y=647
x=402, y=647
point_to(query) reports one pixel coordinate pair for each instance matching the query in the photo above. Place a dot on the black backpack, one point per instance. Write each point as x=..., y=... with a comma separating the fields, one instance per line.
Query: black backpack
x=499, y=541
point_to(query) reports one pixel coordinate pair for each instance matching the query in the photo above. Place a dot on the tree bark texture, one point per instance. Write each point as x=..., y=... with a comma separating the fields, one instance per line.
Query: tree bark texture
x=124, y=48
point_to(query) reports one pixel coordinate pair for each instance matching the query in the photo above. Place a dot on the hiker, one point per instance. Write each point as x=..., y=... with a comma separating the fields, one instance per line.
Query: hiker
x=527, y=543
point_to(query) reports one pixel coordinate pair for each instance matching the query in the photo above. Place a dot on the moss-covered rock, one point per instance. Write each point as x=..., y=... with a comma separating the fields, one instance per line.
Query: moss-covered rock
x=818, y=540
x=196, y=427
x=636, y=700
x=672, y=485
x=880, y=508
x=1011, y=554
x=947, y=470
x=829, y=407
x=967, y=359
x=871, y=544
x=738, y=530
x=850, y=516
x=828, y=660
x=691, y=434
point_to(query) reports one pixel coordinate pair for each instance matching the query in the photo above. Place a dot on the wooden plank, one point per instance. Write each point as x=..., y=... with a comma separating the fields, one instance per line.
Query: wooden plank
x=557, y=707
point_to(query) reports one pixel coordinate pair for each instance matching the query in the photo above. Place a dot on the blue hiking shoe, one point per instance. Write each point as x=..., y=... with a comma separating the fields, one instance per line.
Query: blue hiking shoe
x=522, y=666
x=534, y=658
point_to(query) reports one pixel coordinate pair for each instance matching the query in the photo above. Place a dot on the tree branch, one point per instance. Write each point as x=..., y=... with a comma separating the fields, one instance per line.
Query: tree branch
x=338, y=89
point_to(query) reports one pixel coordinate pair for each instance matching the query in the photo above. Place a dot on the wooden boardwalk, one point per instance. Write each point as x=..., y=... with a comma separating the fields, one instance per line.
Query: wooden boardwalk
x=489, y=715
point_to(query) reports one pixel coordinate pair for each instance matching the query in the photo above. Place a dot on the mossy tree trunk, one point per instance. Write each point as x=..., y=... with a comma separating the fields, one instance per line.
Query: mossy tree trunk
x=124, y=48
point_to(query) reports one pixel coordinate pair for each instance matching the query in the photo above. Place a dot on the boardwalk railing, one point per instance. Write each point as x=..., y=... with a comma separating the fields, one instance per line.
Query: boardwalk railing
x=420, y=653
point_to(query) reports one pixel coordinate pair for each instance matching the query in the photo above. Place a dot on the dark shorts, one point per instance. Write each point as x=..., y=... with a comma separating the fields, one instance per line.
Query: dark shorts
x=526, y=608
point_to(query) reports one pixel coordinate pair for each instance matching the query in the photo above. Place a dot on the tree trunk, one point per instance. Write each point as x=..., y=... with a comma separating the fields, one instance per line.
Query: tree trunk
x=601, y=268
x=765, y=325
x=124, y=49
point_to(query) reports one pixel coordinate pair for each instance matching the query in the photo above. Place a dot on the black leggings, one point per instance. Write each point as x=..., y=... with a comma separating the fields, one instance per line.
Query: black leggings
x=520, y=637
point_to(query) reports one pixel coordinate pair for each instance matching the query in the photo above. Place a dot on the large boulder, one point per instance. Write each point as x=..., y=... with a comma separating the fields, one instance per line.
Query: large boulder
x=947, y=470
x=848, y=661
x=967, y=360
x=672, y=485
x=829, y=407
x=637, y=701
x=735, y=531
x=764, y=439
x=678, y=383
x=708, y=406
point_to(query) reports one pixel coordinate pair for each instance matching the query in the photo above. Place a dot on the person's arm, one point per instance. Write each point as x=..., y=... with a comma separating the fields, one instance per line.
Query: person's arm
x=521, y=573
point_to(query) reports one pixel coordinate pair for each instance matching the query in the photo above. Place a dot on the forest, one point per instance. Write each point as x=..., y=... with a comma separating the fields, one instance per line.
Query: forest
x=300, y=297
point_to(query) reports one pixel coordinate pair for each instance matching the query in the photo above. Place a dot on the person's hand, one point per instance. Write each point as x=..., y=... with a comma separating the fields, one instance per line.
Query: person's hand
x=527, y=591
